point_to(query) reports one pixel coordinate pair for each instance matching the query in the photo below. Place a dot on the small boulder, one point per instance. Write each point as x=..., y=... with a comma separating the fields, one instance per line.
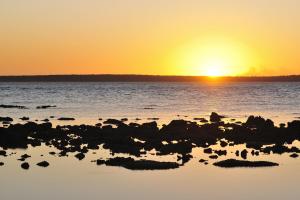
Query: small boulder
x=43, y=164
x=25, y=165
x=80, y=156
x=294, y=155
x=215, y=117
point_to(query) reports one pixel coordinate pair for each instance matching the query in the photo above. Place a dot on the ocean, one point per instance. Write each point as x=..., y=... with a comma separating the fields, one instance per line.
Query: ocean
x=68, y=178
x=89, y=101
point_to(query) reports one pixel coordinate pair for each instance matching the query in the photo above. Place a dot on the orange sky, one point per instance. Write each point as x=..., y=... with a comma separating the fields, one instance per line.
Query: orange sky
x=169, y=37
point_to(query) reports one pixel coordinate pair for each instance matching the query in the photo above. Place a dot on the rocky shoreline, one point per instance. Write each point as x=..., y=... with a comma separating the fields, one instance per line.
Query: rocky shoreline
x=179, y=138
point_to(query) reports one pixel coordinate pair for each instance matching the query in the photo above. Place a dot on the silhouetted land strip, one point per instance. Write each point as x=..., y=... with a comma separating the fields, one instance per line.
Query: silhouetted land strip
x=143, y=78
x=177, y=138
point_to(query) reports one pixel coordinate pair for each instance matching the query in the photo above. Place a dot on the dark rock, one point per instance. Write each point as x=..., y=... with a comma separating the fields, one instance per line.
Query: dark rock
x=25, y=156
x=208, y=150
x=259, y=123
x=100, y=162
x=3, y=153
x=202, y=160
x=6, y=119
x=45, y=107
x=294, y=155
x=98, y=124
x=12, y=106
x=130, y=163
x=244, y=154
x=184, y=158
x=223, y=143
x=113, y=122
x=24, y=118
x=66, y=119
x=80, y=156
x=294, y=125
x=213, y=157
x=202, y=120
x=243, y=163
x=282, y=125
x=214, y=117
x=154, y=118
x=220, y=152
x=43, y=164
x=1, y=163
x=25, y=165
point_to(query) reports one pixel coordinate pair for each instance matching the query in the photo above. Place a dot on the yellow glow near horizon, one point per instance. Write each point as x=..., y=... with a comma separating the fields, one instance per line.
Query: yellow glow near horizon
x=214, y=57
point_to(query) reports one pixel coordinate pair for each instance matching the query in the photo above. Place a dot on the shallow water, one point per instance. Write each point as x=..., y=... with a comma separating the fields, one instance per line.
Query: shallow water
x=68, y=178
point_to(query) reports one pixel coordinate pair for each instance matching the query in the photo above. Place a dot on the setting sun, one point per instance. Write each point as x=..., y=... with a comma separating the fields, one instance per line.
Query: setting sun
x=214, y=56
x=213, y=71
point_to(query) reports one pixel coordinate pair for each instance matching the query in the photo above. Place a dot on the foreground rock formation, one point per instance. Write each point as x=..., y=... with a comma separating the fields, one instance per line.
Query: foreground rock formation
x=178, y=138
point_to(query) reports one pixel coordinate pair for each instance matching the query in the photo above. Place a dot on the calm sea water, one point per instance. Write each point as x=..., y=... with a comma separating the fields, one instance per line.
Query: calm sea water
x=89, y=101
x=68, y=178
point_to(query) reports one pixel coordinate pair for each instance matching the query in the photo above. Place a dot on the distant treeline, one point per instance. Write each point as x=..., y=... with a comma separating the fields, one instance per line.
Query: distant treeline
x=143, y=78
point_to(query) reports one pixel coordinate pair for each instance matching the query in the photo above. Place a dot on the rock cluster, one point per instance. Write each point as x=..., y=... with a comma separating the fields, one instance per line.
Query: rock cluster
x=178, y=138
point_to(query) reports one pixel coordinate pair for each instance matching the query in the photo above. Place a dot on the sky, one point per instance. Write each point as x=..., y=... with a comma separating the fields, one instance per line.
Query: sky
x=157, y=37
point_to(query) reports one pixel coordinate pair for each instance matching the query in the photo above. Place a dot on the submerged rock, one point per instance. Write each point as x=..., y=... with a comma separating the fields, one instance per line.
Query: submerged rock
x=130, y=163
x=213, y=157
x=66, y=119
x=45, y=107
x=153, y=118
x=223, y=143
x=43, y=164
x=12, y=106
x=24, y=157
x=80, y=156
x=244, y=154
x=113, y=122
x=25, y=165
x=294, y=155
x=220, y=152
x=208, y=150
x=230, y=163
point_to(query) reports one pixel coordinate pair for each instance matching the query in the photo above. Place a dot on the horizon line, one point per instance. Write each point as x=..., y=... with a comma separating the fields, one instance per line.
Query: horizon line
x=144, y=78
x=154, y=75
